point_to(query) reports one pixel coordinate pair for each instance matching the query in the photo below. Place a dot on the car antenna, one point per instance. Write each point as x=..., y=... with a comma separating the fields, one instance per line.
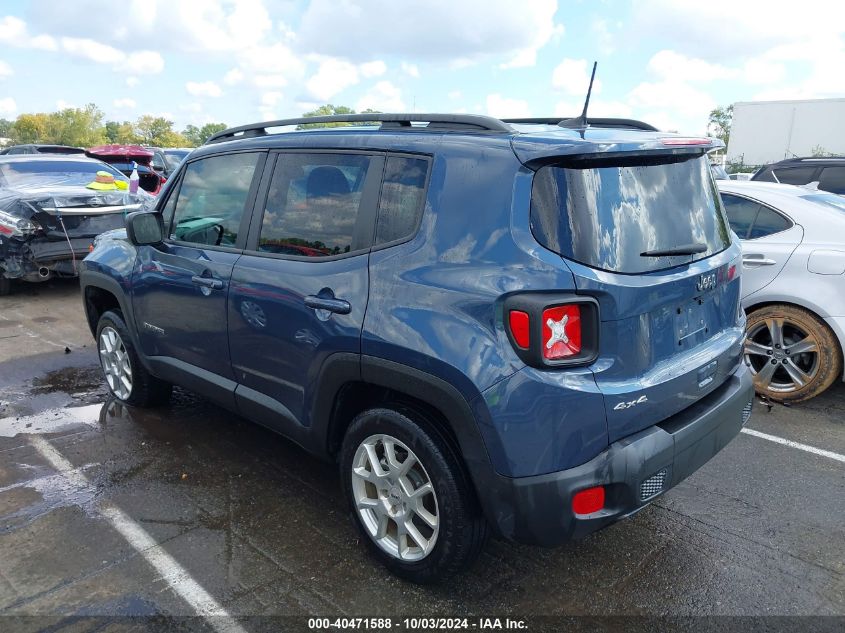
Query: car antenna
x=581, y=121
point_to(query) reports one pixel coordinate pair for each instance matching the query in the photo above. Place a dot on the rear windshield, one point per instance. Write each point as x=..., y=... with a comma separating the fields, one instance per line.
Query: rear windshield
x=607, y=217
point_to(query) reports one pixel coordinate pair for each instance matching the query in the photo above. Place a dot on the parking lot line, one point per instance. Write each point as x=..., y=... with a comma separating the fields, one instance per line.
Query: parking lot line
x=176, y=576
x=798, y=445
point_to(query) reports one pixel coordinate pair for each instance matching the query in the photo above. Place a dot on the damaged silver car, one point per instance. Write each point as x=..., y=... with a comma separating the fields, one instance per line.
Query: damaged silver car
x=52, y=208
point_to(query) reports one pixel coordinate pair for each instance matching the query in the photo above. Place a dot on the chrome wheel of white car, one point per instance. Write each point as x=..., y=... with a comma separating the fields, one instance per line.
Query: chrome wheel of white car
x=115, y=361
x=395, y=498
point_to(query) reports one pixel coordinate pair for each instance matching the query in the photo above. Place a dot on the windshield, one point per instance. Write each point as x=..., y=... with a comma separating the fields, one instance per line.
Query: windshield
x=830, y=199
x=609, y=217
x=20, y=173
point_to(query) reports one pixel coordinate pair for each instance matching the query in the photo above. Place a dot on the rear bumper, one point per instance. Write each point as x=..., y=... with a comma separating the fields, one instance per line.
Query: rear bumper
x=537, y=510
x=23, y=259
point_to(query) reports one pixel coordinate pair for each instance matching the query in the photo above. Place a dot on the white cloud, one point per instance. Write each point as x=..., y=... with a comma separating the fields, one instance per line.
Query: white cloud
x=143, y=63
x=503, y=107
x=264, y=82
x=44, y=43
x=573, y=77
x=428, y=29
x=411, y=69
x=598, y=108
x=602, y=36
x=333, y=76
x=384, y=97
x=61, y=104
x=132, y=81
x=233, y=77
x=5, y=70
x=455, y=94
x=203, y=89
x=91, y=50
x=7, y=106
x=124, y=104
x=270, y=99
x=373, y=69
x=673, y=66
x=12, y=30
x=673, y=105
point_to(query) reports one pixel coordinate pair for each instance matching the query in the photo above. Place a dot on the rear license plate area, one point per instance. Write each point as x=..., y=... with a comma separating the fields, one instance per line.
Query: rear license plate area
x=691, y=323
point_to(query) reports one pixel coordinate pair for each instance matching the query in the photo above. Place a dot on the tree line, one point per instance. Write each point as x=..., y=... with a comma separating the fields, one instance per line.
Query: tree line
x=87, y=127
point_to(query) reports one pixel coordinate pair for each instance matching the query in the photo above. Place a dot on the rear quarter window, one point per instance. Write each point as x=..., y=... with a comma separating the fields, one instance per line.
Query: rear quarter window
x=607, y=217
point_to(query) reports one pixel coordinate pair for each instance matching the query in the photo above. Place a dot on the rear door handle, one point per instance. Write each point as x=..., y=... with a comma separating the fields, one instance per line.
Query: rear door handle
x=207, y=282
x=757, y=260
x=338, y=306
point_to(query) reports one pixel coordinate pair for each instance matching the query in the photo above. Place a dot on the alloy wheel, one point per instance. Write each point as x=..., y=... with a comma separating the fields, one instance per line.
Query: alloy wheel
x=395, y=498
x=782, y=355
x=115, y=361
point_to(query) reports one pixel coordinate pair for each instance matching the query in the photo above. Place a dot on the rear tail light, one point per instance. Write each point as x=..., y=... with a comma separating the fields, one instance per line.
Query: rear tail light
x=562, y=331
x=588, y=501
x=551, y=330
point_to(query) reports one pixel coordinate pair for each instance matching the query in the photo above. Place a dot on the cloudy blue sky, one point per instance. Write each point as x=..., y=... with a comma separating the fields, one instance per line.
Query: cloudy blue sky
x=194, y=61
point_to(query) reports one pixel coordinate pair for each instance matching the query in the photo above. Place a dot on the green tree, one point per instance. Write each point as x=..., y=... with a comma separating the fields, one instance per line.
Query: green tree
x=719, y=124
x=79, y=127
x=6, y=128
x=30, y=128
x=327, y=110
x=818, y=151
x=196, y=136
x=152, y=130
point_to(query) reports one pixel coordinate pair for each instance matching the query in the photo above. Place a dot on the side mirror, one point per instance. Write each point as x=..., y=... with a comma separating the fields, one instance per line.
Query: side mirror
x=143, y=227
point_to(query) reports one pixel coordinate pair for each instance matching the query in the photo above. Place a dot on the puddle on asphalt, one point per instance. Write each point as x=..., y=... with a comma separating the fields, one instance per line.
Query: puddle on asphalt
x=70, y=380
x=51, y=421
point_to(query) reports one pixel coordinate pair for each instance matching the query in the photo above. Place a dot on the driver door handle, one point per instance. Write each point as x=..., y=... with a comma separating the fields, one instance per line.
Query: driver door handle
x=207, y=282
x=338, y=306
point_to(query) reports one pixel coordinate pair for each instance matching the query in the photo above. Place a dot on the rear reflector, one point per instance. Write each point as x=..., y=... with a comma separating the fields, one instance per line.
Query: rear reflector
x=519, y=324
x=561, y=331
x=588, y=501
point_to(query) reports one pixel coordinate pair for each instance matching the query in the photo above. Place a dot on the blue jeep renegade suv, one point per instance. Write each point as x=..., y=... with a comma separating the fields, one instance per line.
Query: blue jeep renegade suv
x=492, y=326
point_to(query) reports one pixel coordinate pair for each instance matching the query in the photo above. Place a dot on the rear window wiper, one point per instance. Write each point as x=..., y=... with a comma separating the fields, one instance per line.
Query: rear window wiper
x=682, y=249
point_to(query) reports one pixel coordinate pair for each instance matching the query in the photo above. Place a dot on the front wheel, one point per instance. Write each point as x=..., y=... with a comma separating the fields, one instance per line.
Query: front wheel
x=127, y=378
x=409, y=496
x=793, y=355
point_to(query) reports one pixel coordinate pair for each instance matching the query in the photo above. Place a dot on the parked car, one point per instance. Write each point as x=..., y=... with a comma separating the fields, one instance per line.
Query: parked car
x=50, y=213
x=521, y=328
x=793, y=254
x=166, y=160
x=34, y=148
x=741, y=175
x=828, y=172
x=125, y=158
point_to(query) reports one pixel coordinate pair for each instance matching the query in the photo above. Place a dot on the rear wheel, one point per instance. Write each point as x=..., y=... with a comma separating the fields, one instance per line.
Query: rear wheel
x=127, y=378
x=409, y=496
x=793, y=355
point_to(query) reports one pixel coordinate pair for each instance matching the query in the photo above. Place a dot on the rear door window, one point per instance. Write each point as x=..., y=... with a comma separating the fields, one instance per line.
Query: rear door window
x=768, y=222
x=794, y=175
x=607, y=217
x=741, y=213
x=313, y=205
x=833, y=179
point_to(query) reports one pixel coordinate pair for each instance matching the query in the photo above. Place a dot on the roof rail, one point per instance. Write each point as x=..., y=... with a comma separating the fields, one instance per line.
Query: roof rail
x=631, y=124
x=436, y=122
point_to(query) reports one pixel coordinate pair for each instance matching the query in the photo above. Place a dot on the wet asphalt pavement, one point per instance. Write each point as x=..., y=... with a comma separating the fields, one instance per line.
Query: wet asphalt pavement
x=259, y=526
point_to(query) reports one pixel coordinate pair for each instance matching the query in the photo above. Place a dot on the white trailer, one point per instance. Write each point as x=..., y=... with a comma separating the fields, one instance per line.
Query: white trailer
x=768, y=131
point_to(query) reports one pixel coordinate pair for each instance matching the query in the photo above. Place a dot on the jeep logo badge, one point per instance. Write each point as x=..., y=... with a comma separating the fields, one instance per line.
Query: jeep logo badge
x=706, y=282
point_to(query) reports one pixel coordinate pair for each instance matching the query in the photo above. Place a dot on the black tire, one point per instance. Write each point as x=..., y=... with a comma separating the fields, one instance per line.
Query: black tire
x=5, y=285
x=462, y=530
x=147, y=390
x=820, y=368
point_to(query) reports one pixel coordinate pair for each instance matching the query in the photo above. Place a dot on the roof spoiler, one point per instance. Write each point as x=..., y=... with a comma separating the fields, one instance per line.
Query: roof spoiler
x=625, y=124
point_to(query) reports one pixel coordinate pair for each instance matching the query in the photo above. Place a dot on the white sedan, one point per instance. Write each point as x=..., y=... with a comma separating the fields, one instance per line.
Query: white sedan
x=793, y=284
